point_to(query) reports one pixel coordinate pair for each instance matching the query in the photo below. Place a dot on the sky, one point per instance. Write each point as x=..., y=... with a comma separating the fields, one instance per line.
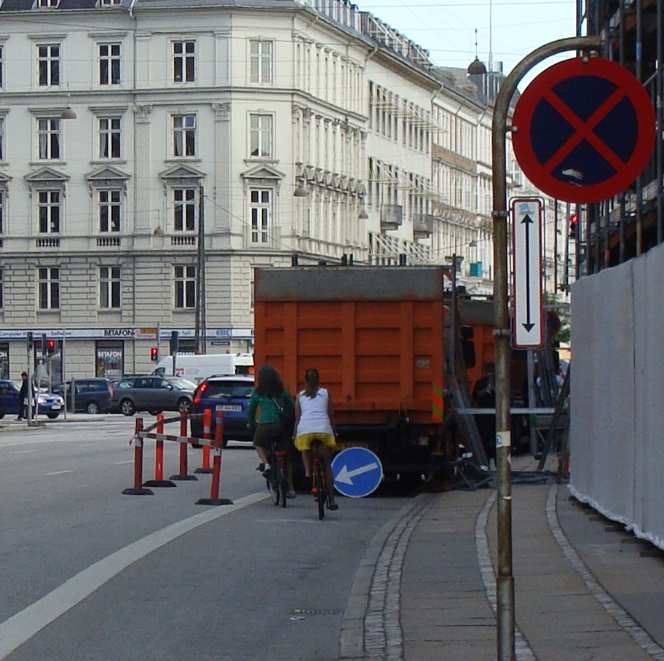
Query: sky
x=447, y=28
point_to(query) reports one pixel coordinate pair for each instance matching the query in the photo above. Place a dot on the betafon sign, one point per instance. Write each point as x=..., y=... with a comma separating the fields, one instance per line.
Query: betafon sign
x=119, y=332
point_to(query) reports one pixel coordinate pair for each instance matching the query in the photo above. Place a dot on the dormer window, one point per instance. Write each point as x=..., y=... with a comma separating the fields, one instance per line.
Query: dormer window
x=47, y=4
x=109, y=3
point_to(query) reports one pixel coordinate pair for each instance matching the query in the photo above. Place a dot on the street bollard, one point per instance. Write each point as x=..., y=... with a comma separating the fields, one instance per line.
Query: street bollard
x=184, y=446
x=216, y=471
x=159, y=480
x=138, y=489
x=207, y=424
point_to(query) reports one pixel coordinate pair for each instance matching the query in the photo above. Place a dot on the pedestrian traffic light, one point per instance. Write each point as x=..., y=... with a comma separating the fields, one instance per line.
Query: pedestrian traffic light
x=50, y=347
x=573, y=225
x=154, y=354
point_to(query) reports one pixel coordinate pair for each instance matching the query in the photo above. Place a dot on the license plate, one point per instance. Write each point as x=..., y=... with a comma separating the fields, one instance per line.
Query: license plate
x=233, y=408
x=56, y=407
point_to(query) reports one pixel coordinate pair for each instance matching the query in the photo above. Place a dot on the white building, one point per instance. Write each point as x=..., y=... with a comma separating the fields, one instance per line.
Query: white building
x=242, y=105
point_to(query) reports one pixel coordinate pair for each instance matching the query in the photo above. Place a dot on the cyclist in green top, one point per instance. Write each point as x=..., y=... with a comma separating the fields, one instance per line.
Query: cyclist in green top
x=271, y=416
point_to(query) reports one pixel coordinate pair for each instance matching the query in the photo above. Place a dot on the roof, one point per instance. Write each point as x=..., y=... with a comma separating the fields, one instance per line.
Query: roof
x=457, y=79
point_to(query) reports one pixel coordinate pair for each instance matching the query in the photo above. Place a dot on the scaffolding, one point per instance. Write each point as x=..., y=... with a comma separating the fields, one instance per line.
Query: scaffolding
x=629, y=224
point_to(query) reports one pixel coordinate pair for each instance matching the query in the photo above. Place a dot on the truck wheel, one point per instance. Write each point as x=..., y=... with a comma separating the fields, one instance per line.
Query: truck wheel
x=127, y=407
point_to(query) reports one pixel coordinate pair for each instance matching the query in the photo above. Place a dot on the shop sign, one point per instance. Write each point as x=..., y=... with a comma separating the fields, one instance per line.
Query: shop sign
x=119, y=332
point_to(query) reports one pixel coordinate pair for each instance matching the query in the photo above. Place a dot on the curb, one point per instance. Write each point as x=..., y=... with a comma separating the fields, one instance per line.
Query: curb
x=371, y=627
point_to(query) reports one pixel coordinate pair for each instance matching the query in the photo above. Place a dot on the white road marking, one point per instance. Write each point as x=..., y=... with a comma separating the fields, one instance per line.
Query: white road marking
x=26, y=623
x=22, y=452
x=57, y=473
x=121, y=463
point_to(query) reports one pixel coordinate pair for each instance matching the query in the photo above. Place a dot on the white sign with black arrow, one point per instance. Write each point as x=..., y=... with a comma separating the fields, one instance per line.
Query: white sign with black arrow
x=527, y=323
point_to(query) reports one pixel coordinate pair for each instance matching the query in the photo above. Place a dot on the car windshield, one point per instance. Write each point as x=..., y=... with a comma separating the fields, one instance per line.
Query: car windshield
x=182, y=384
x=239, y=389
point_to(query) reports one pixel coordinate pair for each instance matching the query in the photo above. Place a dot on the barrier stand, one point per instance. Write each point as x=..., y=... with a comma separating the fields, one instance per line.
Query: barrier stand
x=184, y=446
x=216, y=471
x=159, y=480
x=207, y=424
x=138, y=489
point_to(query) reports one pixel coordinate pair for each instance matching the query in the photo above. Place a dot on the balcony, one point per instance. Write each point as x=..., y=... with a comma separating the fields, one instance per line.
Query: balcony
x=422, y=225
x=108, y=242
x=391, y=216
x=50, y=242
x=183, y=239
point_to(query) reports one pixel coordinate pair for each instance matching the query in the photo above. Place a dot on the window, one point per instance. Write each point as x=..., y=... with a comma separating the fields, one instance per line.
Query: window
x=109, y=137
x=1, y=53
x=109, y=287
x=184, y=209
x=1, y=301
x=260, y=135
x=47, y=4
x=109, y=210
x=184, y=135
x=49, y=65
x=184, y=61
x=49, y=139
x=261, y=207
x=109, y=363
x=185, y=287
x=4, y=366
x=260, y=58
x=49, y=288
x=109, y=3
x=49, y=212
x=109, y=64
x=2, y=211
x=2, y=132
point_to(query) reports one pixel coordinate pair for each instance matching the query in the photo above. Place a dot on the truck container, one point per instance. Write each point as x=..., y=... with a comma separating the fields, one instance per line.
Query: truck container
x=375, y=334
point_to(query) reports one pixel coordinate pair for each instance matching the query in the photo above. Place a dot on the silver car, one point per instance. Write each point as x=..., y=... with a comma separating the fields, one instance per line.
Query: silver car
x=153, y=394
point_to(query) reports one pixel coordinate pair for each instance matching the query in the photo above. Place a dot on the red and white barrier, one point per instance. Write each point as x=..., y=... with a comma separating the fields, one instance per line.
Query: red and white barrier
x=183, y=440
x=138, y=489
x=215, y=484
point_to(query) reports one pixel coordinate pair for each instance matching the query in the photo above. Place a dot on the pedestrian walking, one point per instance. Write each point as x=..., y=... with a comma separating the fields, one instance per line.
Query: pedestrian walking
x=23, y=395
x=271, y=418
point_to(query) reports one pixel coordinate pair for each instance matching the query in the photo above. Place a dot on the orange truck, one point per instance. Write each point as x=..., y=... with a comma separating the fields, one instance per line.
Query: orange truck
x=375, y=334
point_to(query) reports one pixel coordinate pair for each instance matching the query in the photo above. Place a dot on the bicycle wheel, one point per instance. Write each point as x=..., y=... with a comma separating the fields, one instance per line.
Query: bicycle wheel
x=320, y=491
x=273, y=482
x=283, y=483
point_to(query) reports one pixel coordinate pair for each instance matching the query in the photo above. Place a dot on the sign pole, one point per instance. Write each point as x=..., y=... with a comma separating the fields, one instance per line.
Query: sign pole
x=504, y=579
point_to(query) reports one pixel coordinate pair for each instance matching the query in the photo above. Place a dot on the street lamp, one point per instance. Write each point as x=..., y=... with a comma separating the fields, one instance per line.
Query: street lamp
x=68, y=113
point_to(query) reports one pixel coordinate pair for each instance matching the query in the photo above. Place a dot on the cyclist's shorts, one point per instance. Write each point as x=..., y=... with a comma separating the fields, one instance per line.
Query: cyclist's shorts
x=303, y=441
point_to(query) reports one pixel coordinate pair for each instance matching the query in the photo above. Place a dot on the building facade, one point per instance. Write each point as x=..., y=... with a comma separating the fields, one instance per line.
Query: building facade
x=285, y=128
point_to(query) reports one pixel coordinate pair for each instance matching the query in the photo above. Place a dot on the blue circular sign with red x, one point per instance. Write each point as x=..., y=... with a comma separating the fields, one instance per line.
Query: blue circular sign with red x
x=584, y=130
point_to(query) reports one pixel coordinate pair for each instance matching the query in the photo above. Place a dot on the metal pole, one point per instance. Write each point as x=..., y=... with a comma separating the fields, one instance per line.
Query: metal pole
x=567, y=213
x=29, y=346
x=453, y=315
x=64, y=373
x=203, y=313
x=621, y=198
x=660, y=118
x=555, y=248
x=531, y=401
x=639, y=73
x=505, y=580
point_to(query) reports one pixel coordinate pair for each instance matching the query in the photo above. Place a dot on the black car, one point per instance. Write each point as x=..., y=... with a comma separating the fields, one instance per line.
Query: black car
x=90, y=395
x=232, y=394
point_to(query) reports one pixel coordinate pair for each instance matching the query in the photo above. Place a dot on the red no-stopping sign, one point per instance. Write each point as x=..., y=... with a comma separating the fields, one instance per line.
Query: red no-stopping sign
x=585, y=130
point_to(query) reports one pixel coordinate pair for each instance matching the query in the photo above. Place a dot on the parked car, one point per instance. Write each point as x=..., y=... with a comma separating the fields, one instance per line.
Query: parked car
x=232, y=393
x=49, y=403
x=153, y=394
x=91, y=395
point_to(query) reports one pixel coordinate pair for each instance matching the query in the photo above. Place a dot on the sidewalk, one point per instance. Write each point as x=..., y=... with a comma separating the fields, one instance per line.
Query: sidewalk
x=585, y=589
x=11, y=423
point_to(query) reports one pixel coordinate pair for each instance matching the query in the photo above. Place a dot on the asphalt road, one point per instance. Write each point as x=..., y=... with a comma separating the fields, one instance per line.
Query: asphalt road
x=257, y=582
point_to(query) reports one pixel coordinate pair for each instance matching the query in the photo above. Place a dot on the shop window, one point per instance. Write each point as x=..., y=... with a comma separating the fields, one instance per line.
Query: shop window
x=4, y=361
x=109, y=359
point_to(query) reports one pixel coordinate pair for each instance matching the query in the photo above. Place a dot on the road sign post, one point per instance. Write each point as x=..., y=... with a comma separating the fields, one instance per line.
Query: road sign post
x=528, y=311
x=357, y=472
x=504, y=579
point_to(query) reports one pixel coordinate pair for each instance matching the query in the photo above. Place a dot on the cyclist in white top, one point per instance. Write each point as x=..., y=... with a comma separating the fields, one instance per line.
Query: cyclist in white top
x=314, y=421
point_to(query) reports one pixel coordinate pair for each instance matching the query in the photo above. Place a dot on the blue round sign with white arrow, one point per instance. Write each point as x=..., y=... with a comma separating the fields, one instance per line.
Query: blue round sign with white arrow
x=357, y=472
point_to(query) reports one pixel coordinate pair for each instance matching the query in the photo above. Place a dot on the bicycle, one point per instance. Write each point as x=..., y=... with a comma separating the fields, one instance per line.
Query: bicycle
x=277, y=481
x=320, y=487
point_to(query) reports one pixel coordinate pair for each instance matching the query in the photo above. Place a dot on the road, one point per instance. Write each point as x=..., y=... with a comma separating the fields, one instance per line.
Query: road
x=182, y=581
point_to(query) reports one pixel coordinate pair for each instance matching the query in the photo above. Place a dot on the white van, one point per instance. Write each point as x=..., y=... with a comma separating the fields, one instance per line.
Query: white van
x=198, y=367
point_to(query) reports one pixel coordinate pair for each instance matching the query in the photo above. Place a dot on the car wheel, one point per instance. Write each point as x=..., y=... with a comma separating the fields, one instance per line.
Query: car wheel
x=127, y=407
x=184, y=405
x=2, y=415
x=92, y=408
x=52, y=416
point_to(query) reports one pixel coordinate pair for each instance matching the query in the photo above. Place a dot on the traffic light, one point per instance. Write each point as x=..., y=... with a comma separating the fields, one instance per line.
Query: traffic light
x=154, y=354
x=573, y=225
x=50, y=347
x=174, y=343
